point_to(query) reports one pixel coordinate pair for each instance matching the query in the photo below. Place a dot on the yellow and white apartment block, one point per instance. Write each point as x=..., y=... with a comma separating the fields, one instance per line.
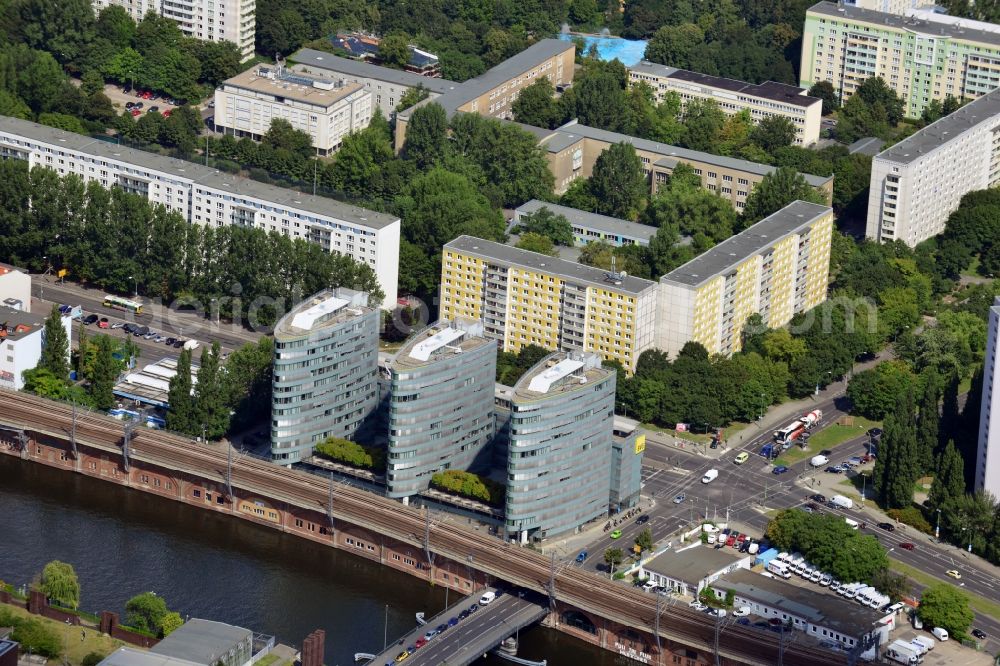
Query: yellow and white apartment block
x=778, y=267
x=528, y=298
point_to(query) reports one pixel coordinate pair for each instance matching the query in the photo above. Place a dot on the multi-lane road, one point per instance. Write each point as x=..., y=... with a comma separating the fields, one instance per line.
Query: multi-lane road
x=170, y=322
x=744, y=493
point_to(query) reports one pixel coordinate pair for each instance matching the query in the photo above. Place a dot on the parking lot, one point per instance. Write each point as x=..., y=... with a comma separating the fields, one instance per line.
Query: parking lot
x=119, y=98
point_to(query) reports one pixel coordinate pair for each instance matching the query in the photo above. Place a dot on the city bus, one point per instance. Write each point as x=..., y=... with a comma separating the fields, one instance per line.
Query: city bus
x=119, y=303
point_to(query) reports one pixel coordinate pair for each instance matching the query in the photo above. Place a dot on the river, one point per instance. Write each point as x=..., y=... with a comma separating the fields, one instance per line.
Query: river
x=123, y=542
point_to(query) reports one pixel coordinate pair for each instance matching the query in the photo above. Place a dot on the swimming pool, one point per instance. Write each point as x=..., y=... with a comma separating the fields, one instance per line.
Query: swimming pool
x=629, y=51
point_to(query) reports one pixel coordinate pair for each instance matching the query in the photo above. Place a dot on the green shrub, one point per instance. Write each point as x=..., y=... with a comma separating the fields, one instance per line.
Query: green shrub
x=32, y=634
x=467, y=484
x=92, y=659
x=911, y=516
x=352, y=453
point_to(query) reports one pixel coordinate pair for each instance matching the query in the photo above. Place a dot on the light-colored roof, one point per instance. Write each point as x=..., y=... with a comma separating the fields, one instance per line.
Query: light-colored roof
x=422, y=350
x=692, y=564
x=334, y=63
x=918, y=26
x=735, y=250
x=602, y=223
x=201, y=641
x=308, y=317
x=573, y=130
x=292, y=85
x=542, y=263
x=196, y=173
x=943, y=130
x=127, y=656
x=543, y=381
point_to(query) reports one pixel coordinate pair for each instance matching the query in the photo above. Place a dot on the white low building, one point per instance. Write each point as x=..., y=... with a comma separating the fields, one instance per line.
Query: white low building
x=689, y=570
x=22, y=338
x=325, y=109
x=816, y=612
x=15, y=288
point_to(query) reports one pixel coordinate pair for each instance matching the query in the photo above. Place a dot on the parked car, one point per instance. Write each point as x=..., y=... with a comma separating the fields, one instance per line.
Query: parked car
x=90, y=319
x=818, y=498
x=178, y=344
x=453, y=622
x=103, y=323
x=127, y=89
x=834, y=470
x=137, y=105
x=431, y=633
x=441, y=628
x=166, y=114
x=979, y=633
x=420, y=642
x=141, y=331
x=742, y=611
x=117, y=325
x=153, y=109
x=129, y=105
x=402, y=656
x=135, y=112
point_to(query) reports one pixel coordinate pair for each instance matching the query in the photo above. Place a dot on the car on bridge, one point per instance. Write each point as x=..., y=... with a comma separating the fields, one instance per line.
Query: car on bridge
x=420, y=642
x=402, y=656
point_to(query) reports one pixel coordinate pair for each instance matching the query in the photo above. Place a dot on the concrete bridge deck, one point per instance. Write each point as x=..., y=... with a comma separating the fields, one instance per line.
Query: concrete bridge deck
x=474, y=636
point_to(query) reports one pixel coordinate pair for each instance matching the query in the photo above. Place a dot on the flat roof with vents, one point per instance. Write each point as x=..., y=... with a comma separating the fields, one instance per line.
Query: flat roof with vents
x=292, y=85
x=558, y=373
x=439, y=340
x=544, y=380
x=943, y=130
x=737, y=249
x=327, y=308
x=542, y=263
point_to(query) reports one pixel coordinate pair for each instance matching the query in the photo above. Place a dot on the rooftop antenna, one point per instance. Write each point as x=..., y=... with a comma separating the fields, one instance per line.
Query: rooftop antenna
x=613, y=275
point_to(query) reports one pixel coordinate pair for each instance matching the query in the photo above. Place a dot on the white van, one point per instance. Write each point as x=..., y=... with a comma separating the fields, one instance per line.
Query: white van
x=923, y=640
x=853, y=524
x=842, y=502
x=940, y=633
x=779, y=569
x=487, y=598
x=710, y=476
x=818, y=461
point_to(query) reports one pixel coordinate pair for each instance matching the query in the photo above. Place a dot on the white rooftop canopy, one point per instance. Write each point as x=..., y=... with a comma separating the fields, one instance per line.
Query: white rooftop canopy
x=422, y=350
x=542, y=382
x=307, y=318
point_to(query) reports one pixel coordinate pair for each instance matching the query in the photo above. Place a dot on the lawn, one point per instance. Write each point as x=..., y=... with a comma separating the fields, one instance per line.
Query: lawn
x=827, y=438
x=270, y=659
x=978, y=603
x=75, y=648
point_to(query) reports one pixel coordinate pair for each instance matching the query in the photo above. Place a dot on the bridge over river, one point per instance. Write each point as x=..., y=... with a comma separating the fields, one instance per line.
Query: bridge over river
x=473, y=636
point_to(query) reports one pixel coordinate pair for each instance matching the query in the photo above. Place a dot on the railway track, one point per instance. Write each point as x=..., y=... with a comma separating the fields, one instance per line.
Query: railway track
x=524, y=567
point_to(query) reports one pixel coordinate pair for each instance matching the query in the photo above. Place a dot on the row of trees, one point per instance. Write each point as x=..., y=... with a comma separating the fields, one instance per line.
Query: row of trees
x=118, y=241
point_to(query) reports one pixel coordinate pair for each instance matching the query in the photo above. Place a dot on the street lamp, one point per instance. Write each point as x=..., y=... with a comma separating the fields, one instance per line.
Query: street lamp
x=761, y=407
x=136, y=280
x=937, y=527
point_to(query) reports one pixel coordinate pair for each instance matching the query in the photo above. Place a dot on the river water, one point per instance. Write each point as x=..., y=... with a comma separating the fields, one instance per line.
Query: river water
x=123, y=542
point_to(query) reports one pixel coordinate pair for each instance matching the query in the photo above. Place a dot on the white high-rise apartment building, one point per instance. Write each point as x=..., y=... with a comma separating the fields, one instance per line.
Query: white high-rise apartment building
x=988, y=454
x=919, y=182
x=212, y=20
x=208, y=197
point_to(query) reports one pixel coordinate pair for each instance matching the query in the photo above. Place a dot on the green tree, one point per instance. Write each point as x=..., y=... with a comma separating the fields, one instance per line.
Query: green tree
x=181, y=415
x=825, y=91
x=92, y=82
x=103, y=373
x=246, y=382
x=55, y=350
x=943, y=605
x=579, y=196
x=537, y=243
x=426, y=135
x=613, y=557
x=412, y=96
x=211, y=408
x=281, y=135
x=60, y=584
x=394, y=51
x=929, y=422
x=146, y=612
x=618, y=182
x=171, y=622
x=875, y=93
x=536, y=105
x=552, y=225
x=775, y=191
x=897, y=467
x=773, y=132
x=703, y=122
x=598, y=97
x=645, y=540
x=674, y=44
x=874, y=392
x=949, y=477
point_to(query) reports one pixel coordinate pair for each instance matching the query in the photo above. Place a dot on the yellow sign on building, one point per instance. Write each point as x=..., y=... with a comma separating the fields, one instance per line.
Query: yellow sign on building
x=640, y=444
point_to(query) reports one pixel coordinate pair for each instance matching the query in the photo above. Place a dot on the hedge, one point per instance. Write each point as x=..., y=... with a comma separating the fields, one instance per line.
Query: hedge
x=467, y=484
x=352, y=453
